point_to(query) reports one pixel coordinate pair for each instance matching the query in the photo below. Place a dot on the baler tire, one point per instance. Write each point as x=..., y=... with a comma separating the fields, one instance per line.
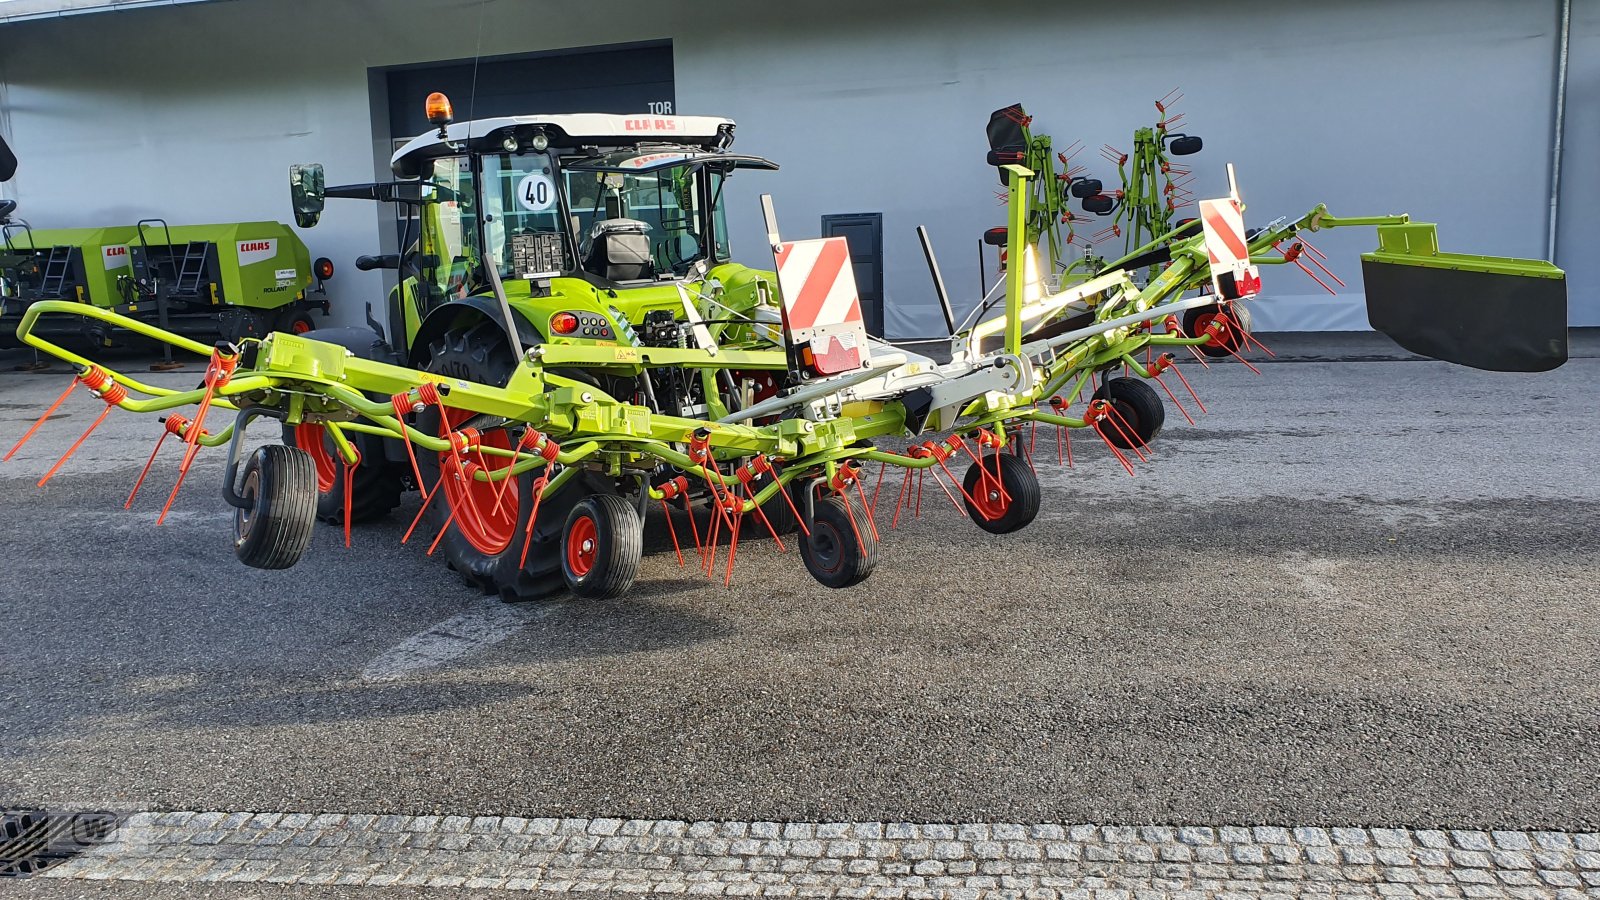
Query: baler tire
x=281, y=483
x=602, y=547
x=841, y=550
x=1015, y=508
x=374, y=491
x=1140, y=408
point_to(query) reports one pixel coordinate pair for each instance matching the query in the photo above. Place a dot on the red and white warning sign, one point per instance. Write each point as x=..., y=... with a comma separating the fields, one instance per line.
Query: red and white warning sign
x=1223, y=224
x=818, y=285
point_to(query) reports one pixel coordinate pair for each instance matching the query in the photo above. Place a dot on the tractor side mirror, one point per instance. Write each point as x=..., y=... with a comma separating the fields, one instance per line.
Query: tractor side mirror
x=1099, y=204
x=8, y=161
x=1185, y=145
x=1084, y=188
x=307, y=193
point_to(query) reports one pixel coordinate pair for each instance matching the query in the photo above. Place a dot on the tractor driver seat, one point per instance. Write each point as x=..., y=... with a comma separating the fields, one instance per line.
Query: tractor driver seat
x=619, y=250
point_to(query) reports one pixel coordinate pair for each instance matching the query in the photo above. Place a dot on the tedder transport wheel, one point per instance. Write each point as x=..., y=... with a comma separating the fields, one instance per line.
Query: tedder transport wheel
x=486, y=549
x=1007, y=506
x=839, y=554
x=1140, y=407
x=374, y=489
x=601, y=546
x=280, y=484
x=1197, y=320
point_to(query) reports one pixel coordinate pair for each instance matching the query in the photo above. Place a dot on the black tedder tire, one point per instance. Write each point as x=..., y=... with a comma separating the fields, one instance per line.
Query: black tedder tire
x=1007, y=511
x=491, y=558
x=833, y=553
x=280, y=484
x=1139, y=406
x=374, y=490
x=601, y=547
x=1196, y=320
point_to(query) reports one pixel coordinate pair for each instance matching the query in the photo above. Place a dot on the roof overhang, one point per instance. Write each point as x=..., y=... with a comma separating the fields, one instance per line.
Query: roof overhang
x=12, y=11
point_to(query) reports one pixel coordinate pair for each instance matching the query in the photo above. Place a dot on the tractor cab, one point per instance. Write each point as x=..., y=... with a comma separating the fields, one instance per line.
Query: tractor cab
x=596, y=219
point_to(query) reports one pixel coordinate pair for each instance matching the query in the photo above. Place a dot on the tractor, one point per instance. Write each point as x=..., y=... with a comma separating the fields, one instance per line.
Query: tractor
x=590, y=228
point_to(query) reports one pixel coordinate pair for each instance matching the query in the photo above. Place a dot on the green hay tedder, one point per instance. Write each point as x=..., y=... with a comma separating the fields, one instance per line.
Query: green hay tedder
x=571, y=344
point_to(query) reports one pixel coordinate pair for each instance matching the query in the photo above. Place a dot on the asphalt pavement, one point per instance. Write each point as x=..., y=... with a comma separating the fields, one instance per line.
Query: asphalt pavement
x=1354, y=593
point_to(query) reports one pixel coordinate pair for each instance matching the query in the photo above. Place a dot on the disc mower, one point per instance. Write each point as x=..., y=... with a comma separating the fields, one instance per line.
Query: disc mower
x=571, y=345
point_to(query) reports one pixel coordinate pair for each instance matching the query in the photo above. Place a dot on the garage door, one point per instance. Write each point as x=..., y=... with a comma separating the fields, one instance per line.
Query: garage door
x=613, y=79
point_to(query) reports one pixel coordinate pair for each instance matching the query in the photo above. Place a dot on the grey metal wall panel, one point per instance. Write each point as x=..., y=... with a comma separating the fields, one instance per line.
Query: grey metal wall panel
x=1360, y=103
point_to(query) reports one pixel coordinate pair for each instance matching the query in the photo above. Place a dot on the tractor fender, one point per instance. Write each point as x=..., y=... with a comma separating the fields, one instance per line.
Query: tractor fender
x=365, y=343
x=443, y=318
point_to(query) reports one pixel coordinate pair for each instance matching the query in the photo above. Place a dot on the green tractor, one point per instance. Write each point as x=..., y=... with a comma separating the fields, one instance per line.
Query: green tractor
x=533, y=232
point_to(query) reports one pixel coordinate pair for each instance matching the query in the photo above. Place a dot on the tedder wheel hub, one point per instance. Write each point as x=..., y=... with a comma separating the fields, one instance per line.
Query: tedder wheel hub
x=1229, y=341
x=602, y=546
x=280, y=488
x=1002, y=493
x=313, y=439
x=582, y=543
x=1139, y=409
x=841, y=550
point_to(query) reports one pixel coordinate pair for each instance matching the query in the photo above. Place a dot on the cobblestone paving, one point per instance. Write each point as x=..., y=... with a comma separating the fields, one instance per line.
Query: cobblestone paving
x=854, y=860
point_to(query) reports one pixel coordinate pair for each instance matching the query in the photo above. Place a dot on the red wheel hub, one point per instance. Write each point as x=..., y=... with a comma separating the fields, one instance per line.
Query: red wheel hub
x=313, y=439
x=990, y=498
x=299, y=326
x=1226, y=338
x=583, y=546
x=485, y=511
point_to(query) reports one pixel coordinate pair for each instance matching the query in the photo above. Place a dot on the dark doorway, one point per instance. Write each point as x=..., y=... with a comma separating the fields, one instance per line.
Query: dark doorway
x=622, y=78
x=864, y=232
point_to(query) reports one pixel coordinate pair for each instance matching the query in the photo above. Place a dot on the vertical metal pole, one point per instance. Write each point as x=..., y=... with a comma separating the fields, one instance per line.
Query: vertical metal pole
x=1016, y=246
x=1560, y=126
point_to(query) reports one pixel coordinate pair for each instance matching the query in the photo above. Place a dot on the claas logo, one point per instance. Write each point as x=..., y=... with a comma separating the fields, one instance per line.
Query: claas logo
x=651, y=125
x=252, y=246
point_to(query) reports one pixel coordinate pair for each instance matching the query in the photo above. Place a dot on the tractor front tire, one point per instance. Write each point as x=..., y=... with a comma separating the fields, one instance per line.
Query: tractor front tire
x=601, y=547
x=1139, y=406
x=840, y=550
x=1007, y=506
x=280, y=484
x=374, y=487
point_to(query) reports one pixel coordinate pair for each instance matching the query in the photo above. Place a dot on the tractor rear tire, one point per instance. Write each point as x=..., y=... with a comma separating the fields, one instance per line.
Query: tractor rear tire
x=841, y=550
x=275, y=530
x=1007, y=507
x=601, y=547
x=1139, y=406
x=374, y=490
x=488, y=555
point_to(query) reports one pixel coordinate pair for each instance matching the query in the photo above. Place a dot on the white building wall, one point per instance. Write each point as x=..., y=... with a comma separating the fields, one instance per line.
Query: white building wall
x=1437, y=107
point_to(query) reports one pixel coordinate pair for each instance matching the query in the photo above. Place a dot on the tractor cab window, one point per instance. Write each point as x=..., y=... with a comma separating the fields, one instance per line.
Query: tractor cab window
x=450, y=237
x=519, y=225
x=522, y=221
x=641, y=224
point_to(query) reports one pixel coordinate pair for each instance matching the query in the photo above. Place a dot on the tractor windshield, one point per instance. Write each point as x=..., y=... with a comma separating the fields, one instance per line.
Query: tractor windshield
x=678, y=209
x=536, y=216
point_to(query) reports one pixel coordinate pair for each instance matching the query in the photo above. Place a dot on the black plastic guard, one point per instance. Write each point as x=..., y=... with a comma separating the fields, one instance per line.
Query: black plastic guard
x=1485, y=320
